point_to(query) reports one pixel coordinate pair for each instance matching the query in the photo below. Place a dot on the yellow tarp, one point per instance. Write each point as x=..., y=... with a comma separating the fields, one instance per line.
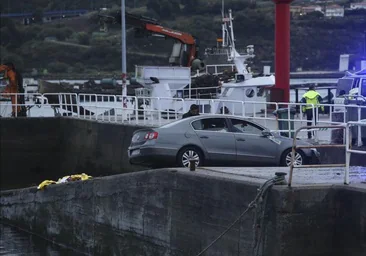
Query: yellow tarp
x=65, y=179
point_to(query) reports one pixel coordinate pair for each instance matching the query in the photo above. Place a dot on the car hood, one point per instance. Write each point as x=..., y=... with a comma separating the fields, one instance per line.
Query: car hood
x=283, y=139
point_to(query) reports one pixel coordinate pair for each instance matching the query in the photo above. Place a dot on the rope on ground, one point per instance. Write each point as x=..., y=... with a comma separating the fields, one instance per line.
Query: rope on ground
x=258, y=199
x=258, y=225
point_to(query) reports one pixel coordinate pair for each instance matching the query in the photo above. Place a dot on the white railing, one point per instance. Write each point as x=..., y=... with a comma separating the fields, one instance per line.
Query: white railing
x=200, y=92
x=149, y=110
x=349, y=151
x=219, y=68
x=346, y=145
x=295, y=147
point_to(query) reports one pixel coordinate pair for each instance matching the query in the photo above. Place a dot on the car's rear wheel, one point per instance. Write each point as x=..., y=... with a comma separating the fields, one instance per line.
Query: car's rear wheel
x=189, y=153
x=299, y=159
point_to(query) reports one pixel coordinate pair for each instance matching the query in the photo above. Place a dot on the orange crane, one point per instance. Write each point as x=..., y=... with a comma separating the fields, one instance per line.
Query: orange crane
x=185, y=50
x=15, y=86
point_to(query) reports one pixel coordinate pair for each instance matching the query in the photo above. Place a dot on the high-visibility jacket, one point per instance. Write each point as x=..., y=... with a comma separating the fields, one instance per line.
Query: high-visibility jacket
x=312, y=99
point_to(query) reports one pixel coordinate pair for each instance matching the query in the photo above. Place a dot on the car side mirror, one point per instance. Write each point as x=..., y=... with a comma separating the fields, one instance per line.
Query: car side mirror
x=266, y=133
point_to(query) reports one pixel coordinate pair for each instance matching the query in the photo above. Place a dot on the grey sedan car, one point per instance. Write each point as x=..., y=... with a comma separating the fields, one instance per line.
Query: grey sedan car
x=215, y=140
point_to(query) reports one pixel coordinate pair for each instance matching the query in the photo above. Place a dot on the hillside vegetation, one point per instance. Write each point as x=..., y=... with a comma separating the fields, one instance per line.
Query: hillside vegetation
x=76, y=46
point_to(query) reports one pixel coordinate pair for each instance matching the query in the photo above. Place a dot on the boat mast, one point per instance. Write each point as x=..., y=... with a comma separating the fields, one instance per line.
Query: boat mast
x=232, y=32
x=223, y=26
x=123, y=49
x=229, y=43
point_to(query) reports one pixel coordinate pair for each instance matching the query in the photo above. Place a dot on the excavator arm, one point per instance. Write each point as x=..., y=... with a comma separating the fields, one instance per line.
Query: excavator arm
x=9, y=74
x=153, y=26
x=183, y=54
x=3, y=68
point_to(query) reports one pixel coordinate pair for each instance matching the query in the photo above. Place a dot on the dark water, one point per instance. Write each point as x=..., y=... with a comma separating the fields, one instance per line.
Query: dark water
x=14, y=242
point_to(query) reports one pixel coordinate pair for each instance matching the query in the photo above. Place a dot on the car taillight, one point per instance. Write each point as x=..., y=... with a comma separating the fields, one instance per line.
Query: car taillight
x=151, y=136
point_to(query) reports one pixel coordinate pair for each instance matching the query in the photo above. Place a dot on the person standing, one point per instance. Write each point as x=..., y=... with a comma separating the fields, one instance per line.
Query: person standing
x=312, y=100
x=193, y=111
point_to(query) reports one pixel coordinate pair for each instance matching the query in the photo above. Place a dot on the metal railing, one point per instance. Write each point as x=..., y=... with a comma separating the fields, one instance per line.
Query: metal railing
x=349, y=151
x=219, y=68
x=295, y=147
x=347, y=146
x=157, y=110
x=199, y=93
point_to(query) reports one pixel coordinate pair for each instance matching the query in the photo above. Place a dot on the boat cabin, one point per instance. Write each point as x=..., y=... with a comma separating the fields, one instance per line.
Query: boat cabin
x=352, y=84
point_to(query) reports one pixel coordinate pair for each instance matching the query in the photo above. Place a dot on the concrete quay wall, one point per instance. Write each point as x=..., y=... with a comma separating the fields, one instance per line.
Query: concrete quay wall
x=35, y=149
x=177, y=212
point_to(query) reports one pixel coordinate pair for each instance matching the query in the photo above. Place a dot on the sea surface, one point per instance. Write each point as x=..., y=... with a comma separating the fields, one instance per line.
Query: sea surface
x=14, y=242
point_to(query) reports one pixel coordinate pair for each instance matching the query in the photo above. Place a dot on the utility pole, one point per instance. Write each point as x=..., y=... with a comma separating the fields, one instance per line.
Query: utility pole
x=123, y=44
x=282, y=52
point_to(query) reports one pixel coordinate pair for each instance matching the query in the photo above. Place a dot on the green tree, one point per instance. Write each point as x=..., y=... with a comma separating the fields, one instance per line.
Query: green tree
x=16, y=59
x=57, y=67
x=83, y=38
x=79, y=67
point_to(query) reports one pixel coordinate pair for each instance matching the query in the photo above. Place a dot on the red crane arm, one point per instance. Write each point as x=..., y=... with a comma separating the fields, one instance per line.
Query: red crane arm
x=185, y=38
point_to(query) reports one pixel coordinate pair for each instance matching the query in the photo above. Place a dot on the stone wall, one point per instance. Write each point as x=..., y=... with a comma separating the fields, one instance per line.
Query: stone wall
x=29, y=150
x=35, y=149
x=170, y=212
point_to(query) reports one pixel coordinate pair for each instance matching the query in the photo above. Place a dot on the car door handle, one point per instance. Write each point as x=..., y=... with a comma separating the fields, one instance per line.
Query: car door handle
x=203, y=137
x=240, y=139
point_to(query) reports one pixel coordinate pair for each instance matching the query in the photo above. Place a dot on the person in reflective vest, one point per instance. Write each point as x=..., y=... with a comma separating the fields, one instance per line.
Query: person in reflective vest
x=312, y=99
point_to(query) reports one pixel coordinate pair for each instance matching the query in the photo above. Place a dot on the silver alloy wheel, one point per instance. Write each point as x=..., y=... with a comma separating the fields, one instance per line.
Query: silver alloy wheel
x=190, y=155
x=298, y=159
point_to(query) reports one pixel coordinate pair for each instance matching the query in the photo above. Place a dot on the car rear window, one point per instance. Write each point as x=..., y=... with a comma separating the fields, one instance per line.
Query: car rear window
x=168, y=125
x=197, y=125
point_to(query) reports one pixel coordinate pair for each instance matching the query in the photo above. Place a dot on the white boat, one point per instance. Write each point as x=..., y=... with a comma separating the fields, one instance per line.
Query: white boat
x=170, y=82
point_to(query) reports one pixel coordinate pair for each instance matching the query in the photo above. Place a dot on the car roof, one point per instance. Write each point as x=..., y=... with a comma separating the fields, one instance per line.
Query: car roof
x=215, y=116
x=203, y=116
x=193, y=118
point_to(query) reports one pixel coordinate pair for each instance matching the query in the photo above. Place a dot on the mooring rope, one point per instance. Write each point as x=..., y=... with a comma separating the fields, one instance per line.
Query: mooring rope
x=253, y=204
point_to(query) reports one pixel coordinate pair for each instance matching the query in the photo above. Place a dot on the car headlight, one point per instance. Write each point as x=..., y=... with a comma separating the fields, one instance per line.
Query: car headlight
x=315, y=151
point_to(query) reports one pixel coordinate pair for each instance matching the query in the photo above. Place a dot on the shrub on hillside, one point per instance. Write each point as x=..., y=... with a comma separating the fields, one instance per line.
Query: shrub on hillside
x=83, y=38
x=57, y=67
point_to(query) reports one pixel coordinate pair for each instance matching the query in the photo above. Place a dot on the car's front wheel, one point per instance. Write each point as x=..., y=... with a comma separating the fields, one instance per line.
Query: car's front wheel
x=187, y=154
x=299, y=158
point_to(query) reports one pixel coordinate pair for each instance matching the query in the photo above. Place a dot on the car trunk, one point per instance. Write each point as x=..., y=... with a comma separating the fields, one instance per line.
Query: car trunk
x=139, y=137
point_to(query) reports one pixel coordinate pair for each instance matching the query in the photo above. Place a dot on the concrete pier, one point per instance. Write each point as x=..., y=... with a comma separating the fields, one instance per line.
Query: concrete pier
x=179, y=212
x=35, y=149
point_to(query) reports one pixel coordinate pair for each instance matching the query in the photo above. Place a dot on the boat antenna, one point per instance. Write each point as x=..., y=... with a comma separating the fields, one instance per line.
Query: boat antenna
x=364, y=44
x=223, y=28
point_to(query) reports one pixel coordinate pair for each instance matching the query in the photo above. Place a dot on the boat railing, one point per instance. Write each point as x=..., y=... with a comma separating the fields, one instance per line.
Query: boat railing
x=153, y=110
x=220, y=68
x=222, y=51
x=199, y=93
